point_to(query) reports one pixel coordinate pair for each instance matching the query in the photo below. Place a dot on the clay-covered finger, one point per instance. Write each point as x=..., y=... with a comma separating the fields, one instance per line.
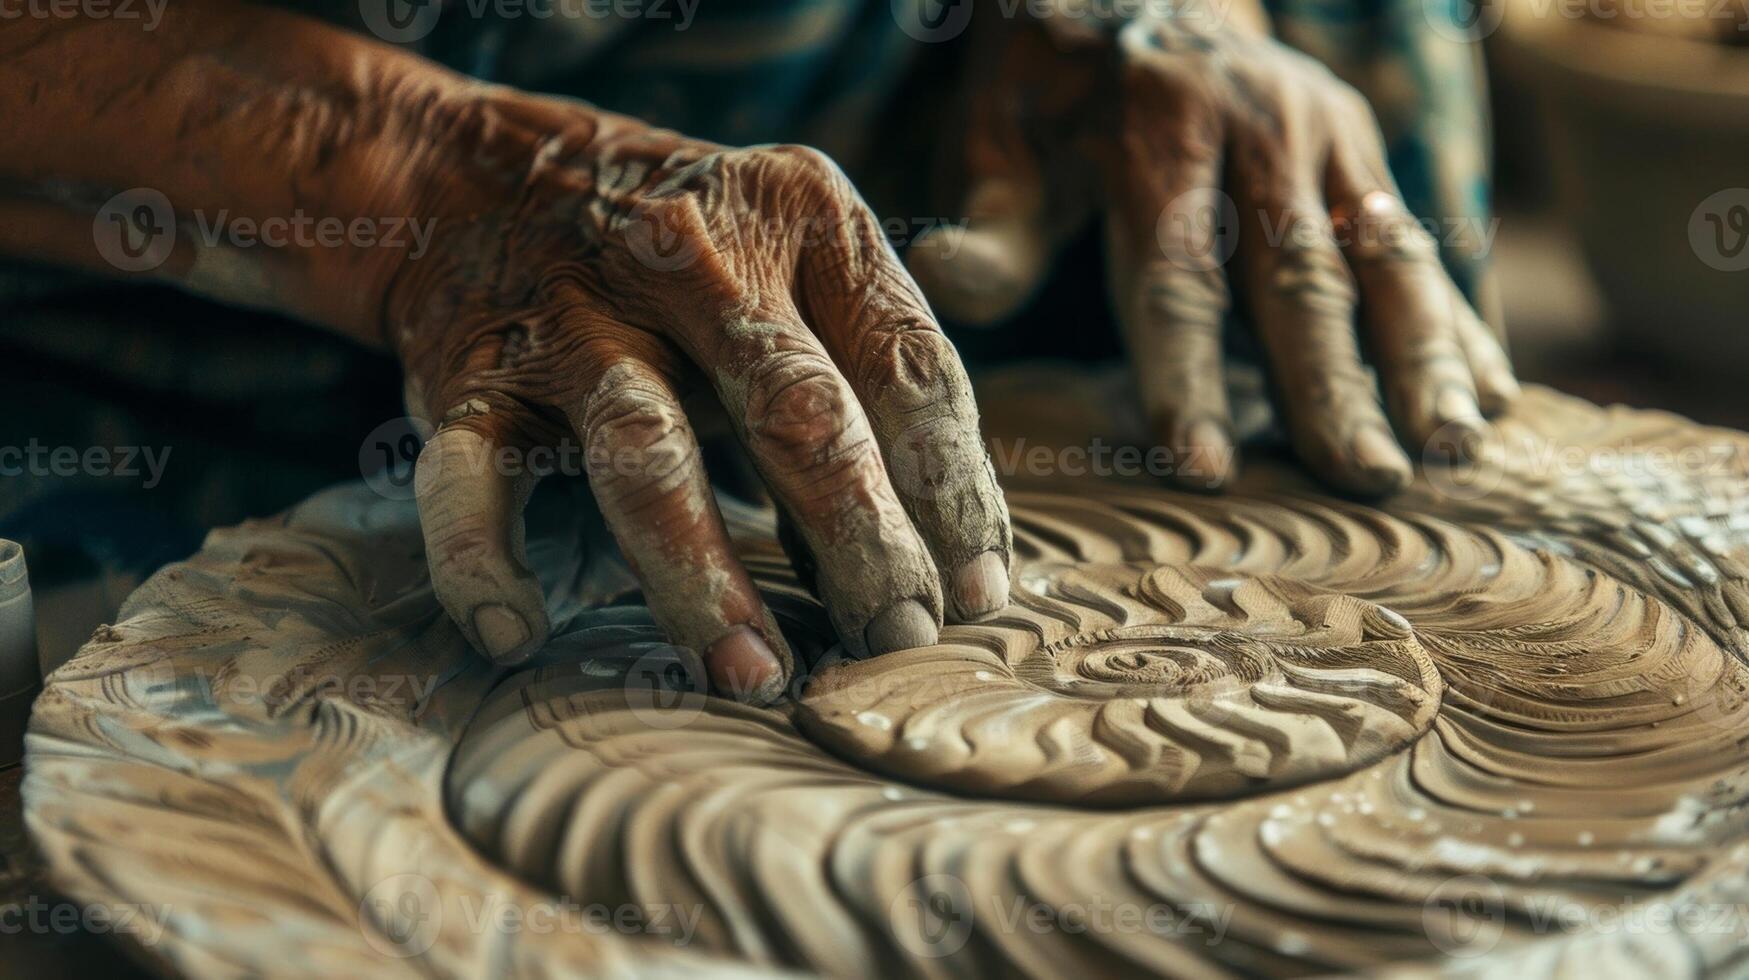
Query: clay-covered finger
x=470, y=510
x=815, y=450
x=647, y=475
x=1302, y=297
x=983, y=269
x=1496, y=385
x=1410, y=310
x=908, y=378
x=1167, y=253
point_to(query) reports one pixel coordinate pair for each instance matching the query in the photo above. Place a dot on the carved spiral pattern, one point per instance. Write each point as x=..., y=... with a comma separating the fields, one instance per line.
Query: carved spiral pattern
x=1262, y=734
x=1124, y=683
x=1575, y=762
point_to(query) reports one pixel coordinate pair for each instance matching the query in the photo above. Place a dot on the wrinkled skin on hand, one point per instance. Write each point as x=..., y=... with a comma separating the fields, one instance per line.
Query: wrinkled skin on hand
x=590, y=279
x=1192, y=138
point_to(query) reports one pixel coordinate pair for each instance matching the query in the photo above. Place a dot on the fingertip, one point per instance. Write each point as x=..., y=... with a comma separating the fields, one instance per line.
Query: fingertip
x=1457, y=431
x=1455, y=406
x=1497, y=391
x=980, y=586
x=504, y=635
x=901, y=626
x=1379, y=464
x=743, y=666
x=978, y=275
x=1209, y=458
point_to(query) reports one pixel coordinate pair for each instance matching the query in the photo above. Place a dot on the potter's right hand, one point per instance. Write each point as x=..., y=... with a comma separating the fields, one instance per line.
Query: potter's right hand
x=589, y=275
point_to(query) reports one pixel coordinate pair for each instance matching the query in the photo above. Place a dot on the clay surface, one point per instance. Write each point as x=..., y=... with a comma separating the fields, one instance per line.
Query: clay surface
x=1474, y=727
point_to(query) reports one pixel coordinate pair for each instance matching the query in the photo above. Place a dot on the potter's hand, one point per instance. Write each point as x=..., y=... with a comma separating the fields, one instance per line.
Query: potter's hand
x=589, y=274
x=576, y=275
x=1195, y=136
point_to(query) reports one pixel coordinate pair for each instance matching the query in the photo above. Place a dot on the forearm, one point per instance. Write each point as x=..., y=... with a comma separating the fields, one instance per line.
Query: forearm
x=251, y=122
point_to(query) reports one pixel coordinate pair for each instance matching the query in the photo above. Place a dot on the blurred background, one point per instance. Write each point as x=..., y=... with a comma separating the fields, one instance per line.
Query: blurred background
x=1622, y=196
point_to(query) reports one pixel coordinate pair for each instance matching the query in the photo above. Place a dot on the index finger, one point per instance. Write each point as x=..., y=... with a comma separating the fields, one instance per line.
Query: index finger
x=872, y=318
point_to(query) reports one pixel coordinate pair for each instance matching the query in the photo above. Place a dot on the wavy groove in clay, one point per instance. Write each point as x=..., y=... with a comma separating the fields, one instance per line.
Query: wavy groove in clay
x=1311, y=727
x=1137, y=684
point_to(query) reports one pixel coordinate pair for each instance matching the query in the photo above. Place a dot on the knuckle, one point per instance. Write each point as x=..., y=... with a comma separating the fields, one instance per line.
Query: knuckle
x=1392, y=235
x=1344, y=97
x=637, y=443
x=670, y=221
x=1308, y=272
x=1192, y=300
x=460, y=543
x=808, y=162
x=914, y=366
x=1431, y=359
x=800, y=412
x=806, y=172
x=1302, y=68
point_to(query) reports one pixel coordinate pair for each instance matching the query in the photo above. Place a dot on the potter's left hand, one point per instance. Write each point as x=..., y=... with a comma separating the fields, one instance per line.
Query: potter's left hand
x=1201, y=138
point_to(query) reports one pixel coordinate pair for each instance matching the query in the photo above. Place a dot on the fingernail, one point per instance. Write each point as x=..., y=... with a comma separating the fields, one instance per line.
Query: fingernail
x=1456, y=405
x=743, y=667
x=1208, y=455
x=1507, y=385
x=980, y=587
x=1376, y=453
x=500, y=630
x=900, y=626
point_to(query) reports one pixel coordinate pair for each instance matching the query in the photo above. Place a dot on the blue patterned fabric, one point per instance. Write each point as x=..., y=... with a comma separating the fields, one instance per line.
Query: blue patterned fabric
x=733, y=71
x=1416, y=63
x=816, y=71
